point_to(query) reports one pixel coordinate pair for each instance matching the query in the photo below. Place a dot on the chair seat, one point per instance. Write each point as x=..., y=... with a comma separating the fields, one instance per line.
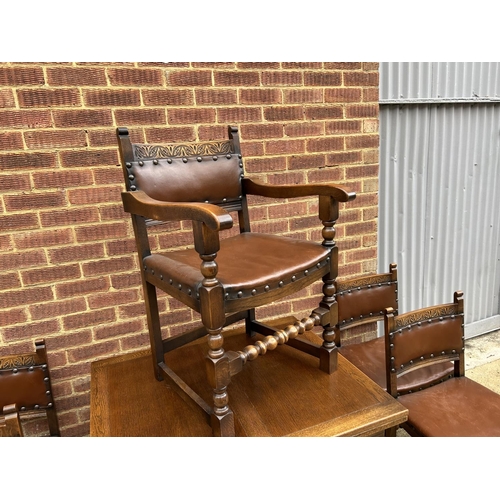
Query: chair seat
x=248, y=261
x=369, y=357
x=465, y=408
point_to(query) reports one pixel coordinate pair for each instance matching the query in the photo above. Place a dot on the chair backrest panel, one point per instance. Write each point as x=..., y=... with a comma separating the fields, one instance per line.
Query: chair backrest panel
x=364, y=299
x=214, y=179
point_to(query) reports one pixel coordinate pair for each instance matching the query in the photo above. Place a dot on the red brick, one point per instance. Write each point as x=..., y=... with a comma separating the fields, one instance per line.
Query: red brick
x=304, y=129
x=58, y=179
x=284, y=113
x=50, y=274
x=363, y=79
x=9, y=261
x=93, y=352
x=296, y=96
x=334, y=175
x=285, y=147
x=167, y=97
x=13, y=77
x=57, y=309
x=25, y=119
x=216, y=96
x=82, y=320
x=260, y=96
x=12, y=182
x=135, y=77
x=47, y=98
x=239, y=115
x=261, y=131
x=11, y=141
x=113, y=212
x=304, y=162
x=85, y=158
x=98, y=301
x=143, y=116
x=28, y=160
x=31, y=330
x=16, y=298
x=76, y=253
x=212, y=132
x=45, y=238
x=100, y=138
x=190, y=116
x=69, y=217
x=5, y=241
x=7, y=98
x=213, y=64
x=120, y=281
x=119, y=329
x=189, y=78
x=102, y=232
x=323, y=78
x=362, y=111
x=121, y=247
x=258, y=65
x=111, y=175
x=343, y=127
x=255, y=148
x=108, y=266
x=343, y=95
x=342, y=65
x=265, y=164
x=358, y=172
x=276, y=78
x=170, y=134
x=236, y=78
x=325, y=144
x=362, y=141
x=34, y=201
x=344, y=157
x=17, y=222
x=86, y=196
x=9, y=280
x=360, y=228
x=82, y=118
x=324, y=112
x=78, y=77
x=13, y=316
x=81, y=287
x=121, y=97
x=45, y=139
x=371, y=94
x=302, y=65
x=286, y=210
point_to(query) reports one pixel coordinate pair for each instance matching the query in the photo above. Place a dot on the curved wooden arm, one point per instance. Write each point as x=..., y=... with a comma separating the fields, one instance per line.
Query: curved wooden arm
x=213, y=216
x=297, y=191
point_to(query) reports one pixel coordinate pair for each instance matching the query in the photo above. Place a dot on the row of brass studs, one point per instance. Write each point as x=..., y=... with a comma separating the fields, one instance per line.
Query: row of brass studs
x=427, y=386
x=239, y=294
x=422, y=358
x=367, y=286
x=270, y=342
x=46, y=380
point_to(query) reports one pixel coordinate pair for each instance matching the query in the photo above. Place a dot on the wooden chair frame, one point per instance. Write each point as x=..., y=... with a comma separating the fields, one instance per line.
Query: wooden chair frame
x=219, y=307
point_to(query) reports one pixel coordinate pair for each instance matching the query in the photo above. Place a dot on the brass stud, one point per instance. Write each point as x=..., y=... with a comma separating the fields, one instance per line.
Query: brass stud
x=185, y=160
x=30, y=369
x=239, y=156
x=131, y=177
x=239, y=294
x=199, y=158
x=48, y=393
x=280, y=284
x=23, y=408
x=155, y=162
x=214, y=158
x=294, y=278
x=128, y=165
x=254, y=292
x=306, y=272
x=132, y=188
x=141, y=164
x=179, y=286
x=15, y=370
x=37, y=407
x=169, y=160
x=266, y=288
x=171, y=281
x=228, y=156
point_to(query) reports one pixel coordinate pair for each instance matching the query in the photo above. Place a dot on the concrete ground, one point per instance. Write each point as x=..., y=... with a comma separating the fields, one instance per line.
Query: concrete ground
x=482, y=363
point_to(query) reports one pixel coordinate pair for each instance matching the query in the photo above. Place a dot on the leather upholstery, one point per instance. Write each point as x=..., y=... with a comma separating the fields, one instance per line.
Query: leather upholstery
x=25, y=387
x=248, y=261
x=457, y=407
x=369, y=357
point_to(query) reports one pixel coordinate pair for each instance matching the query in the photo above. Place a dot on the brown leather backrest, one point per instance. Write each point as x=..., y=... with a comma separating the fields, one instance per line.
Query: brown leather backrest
x=25, y=381
x=362, y=300
x=193, y=172
x=424, y=337
x=214, y=179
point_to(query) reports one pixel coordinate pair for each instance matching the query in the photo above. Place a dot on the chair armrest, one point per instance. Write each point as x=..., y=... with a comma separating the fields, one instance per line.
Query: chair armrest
x=213, y=216
x=297, y=191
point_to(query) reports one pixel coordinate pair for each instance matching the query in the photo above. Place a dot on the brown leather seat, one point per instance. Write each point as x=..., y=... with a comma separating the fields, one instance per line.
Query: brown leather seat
x=442, y=406
x=25, y=383
x=224, y=278
x=362, y=301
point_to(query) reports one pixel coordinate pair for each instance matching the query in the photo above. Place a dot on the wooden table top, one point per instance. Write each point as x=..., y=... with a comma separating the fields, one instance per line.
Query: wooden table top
x=283, y=393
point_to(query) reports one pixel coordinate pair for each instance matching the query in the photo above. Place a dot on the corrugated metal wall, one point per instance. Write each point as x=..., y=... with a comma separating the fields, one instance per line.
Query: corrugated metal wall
x=439, y=185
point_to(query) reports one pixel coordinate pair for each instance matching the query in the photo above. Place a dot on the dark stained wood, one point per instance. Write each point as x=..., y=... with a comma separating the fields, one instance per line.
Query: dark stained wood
x=282, y=395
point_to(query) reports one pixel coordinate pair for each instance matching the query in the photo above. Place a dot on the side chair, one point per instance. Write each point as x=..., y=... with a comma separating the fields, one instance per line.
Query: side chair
x=10, y=423
x=446, y=406
x=25, y=386
x=225, y=279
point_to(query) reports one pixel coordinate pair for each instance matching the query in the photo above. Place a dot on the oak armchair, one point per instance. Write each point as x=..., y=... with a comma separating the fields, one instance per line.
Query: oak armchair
x=225, y=278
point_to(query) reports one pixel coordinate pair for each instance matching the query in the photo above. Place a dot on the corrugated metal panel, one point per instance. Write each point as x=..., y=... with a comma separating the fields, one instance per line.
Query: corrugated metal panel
x=439, y=185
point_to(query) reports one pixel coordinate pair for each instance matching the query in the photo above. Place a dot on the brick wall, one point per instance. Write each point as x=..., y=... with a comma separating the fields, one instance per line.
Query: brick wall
x=68, y=271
